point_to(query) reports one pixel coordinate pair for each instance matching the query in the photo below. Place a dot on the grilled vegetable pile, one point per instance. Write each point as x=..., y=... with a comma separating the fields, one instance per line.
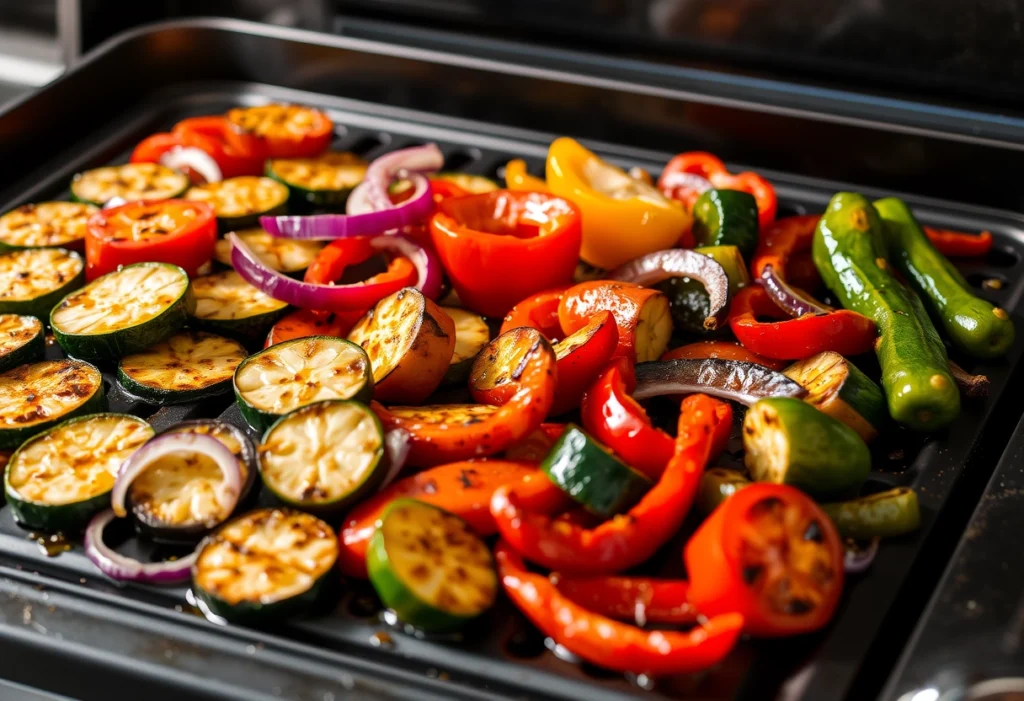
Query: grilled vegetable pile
x=441, y=406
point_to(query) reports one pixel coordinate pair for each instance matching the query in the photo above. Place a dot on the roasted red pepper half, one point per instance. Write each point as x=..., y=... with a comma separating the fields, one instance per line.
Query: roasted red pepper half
x=181, y=232
x=499, y=247
x=843, y=331
x=332, y=261
x=538, y=311
x=957, y=244
x=448, y=433
x=461, y=488
x=640, y=599
x=285, y=131
x=727, y=350
x=771, y=554
x=616, y=420
x=522, y=511
x=675, y=183
x=607, y=642
x=235, y=152
x=780, y=242
x=303, y=322
x=581, y=356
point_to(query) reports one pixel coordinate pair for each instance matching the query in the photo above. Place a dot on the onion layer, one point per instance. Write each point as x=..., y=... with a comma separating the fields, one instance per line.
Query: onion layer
x=383, y=171
x=397, y=442
x=189, y=158
x=735, y=380
x=127, y=569
x=857, y=559
x=789, y=299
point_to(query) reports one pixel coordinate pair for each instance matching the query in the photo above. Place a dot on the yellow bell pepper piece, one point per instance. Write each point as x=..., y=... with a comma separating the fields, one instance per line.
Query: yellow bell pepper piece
x=516, y=178
x=623, y=218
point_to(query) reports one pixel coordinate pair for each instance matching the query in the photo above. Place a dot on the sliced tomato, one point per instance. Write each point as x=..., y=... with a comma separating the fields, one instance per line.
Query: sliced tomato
x=286, y=131
x=181, y=232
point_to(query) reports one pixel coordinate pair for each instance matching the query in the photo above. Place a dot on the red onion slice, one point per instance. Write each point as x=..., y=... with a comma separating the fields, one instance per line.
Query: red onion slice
x=397, y=442
x=789, y=299
x=333, y=298
x=858, y=559
x=383, y=171
x=127, y=569
x=227, y=492
x=654, y=267
x=735, y=380
x=327, y=227
x=190, y=158
x=427, y=264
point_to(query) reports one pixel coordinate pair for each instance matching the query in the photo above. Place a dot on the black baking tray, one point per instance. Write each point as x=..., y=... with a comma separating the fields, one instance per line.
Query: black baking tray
x=57, y=613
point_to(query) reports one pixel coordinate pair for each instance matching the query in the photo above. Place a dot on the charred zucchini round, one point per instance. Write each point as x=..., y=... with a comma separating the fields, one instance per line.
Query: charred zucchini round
x=323, y=181
x=45, y=224
x=323, y=457
x=21, y=340
x=33, y=280
x=123, y=312
x=130, y=182
x=228, y=305
x=173, y=500
x=265, y=566
x=36, y=397
x=59, y=480
x=283, y=255
x=836, y=387
x=240, y=202
x=430, y=567
x=471, y=336
x=187, y=367
x=295, y=373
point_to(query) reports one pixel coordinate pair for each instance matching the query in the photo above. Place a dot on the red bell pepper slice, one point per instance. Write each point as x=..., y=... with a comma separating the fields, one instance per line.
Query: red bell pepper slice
x=499, y=247
x=285, y=131
x=958, y=244
x=581, y=356
x=538, y=311
x=181, y=232
x=780, y=242
x=330, y=264
x=843, y=331
x=303, y=322
x=235, y=152
x=606, y=642
x=711, y=168
x=727, y=350
x=771, y=554
x=640, y=599
x=616, y=420
x=521, y=511
x=461, y=488
x=536, y=445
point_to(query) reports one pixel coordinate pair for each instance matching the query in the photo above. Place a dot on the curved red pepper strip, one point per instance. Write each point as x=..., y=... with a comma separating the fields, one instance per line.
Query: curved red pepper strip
x=781, y=240
x=609, y=643
x=521, y=510
x=711, y=168
x=958, y=244
x=640, y=599
x=843, y=331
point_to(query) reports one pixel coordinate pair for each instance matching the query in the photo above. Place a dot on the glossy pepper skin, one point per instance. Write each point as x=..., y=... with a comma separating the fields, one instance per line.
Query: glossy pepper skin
x=522, y=511
x=615, y=419
x=499, y=247
x=842, y=331
x=538, y=311
x=581, y=356
x=781, y=243
x=644, y=332
x=674, y=182
x=957, y=244
x=640, y=599
x=623, y=218
x=607, y=642
x=330, y=264
x=769, y=553
x=517, y=178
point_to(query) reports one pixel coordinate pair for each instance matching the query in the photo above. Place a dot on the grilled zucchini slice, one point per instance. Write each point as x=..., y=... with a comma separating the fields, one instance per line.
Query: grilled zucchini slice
x=173, y=500
x=410, y=342
x=44, y=225
x=123, y=312
x=229, y=306
x=265, y=566
x=324, y=181
x=21, y=340
x=33, y=280
x=302, y=371
x=324, y=457
x=475, y=184
x=283, y=255
x=430, y=567
x=471, y=336
x=187, y=367
x=61, y=479
x=131, y=181
x=36, y=397
x=836, y=387
x=240, y=202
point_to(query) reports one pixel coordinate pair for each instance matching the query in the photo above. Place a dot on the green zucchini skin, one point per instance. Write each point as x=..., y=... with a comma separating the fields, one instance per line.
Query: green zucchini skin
x=838, y=388
x=12, y=437
x=303, y=197
x=249, y=220
x=114, y=344
x=688, y=300
x=592, y=476
x=788, y=441
x=29, y=352
x=718, y=484
x=850, y=255
x=882, y=515
x=41, y=306
x=169, y=395
x=726, y=218
x=972, y=324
